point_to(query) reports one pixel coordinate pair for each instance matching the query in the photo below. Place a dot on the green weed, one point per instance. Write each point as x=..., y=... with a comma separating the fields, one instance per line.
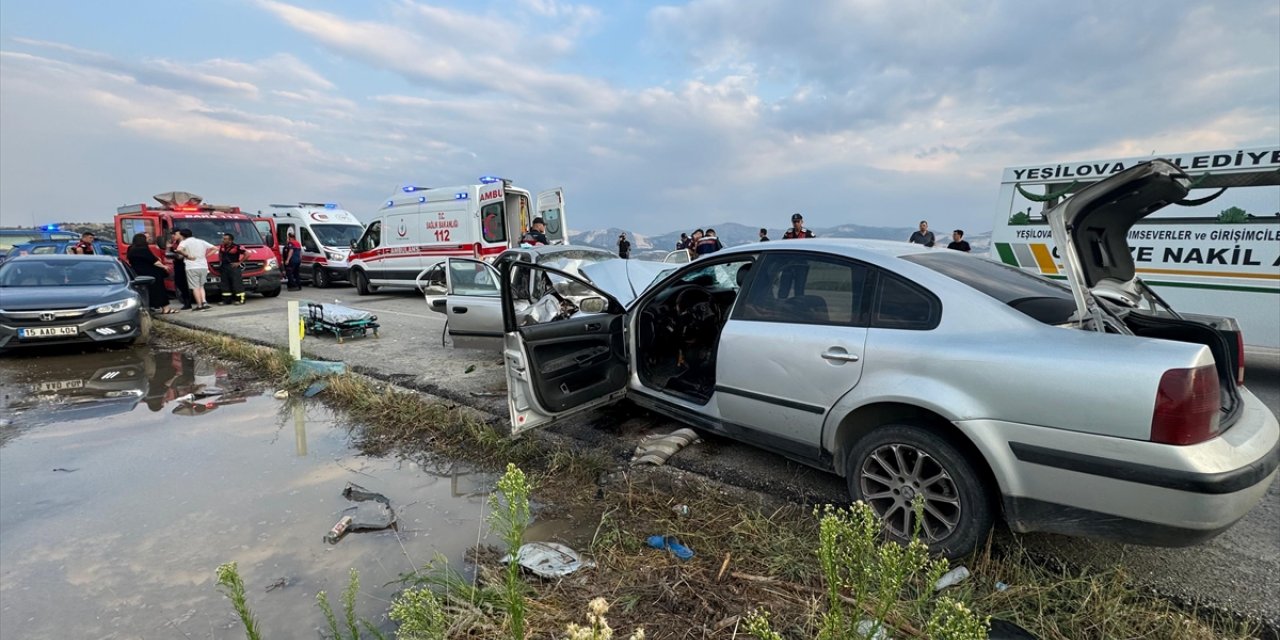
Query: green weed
x=230, y=583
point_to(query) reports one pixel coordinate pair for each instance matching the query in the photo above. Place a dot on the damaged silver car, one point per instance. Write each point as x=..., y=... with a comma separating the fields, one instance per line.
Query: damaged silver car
x=1091, y=409
x=466, y=291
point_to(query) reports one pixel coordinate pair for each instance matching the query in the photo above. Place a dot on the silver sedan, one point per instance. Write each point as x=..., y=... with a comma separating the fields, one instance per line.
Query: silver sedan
x=929, y=376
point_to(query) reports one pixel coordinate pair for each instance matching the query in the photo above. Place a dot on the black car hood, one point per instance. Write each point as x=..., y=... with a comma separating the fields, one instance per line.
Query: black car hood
x=42, y=298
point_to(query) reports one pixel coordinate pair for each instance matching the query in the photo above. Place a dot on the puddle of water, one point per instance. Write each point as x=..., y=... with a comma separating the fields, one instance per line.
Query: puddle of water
x=118, y=500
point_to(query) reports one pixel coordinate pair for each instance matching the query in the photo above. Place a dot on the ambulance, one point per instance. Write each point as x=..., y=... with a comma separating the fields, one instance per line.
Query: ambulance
x=1217, y=252
x=326, y=233
x=419, y=227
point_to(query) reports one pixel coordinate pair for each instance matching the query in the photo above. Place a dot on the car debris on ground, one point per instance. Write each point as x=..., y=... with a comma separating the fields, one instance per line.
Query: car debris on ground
x=657, y=448
x=548, y=559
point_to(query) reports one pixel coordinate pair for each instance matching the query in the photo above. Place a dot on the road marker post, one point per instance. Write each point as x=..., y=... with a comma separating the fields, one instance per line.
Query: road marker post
x=295, y=331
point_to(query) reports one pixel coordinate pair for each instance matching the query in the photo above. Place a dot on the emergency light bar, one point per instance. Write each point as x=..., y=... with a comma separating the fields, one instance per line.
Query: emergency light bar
x=489, y=179
x=49, y=227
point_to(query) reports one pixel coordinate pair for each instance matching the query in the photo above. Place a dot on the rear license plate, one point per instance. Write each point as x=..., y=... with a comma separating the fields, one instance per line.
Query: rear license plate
x=48, y=332
x=60, y=385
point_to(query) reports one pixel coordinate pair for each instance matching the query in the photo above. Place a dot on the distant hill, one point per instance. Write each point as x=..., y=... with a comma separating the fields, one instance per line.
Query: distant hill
x=733, y=234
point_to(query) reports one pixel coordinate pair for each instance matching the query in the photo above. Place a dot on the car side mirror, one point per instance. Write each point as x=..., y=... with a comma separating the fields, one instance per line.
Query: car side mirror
x=594, y=304
x=143, y=281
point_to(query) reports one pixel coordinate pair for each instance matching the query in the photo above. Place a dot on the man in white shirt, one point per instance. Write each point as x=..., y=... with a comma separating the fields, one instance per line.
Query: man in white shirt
x=195, y=256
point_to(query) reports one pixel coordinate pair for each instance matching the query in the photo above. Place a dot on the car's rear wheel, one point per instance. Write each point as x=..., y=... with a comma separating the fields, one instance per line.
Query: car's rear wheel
x=891, y=465
x=361, y=281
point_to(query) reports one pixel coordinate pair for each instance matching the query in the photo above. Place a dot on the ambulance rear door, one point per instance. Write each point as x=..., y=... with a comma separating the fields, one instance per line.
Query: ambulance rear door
x=551, y=210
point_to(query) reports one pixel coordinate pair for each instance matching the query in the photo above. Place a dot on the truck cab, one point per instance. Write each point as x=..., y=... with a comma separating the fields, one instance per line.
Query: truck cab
x=181, y=210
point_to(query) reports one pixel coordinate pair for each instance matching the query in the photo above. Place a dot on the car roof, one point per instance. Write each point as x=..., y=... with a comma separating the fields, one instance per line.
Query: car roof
x=62, y=257
x=547, y=249
x=852, y=247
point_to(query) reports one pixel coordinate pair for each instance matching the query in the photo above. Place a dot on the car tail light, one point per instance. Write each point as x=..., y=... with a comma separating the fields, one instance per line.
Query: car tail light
x=1240, y=358
x=1187, y=406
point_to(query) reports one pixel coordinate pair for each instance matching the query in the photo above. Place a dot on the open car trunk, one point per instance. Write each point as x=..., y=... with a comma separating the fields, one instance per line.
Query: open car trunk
x=1091, y=229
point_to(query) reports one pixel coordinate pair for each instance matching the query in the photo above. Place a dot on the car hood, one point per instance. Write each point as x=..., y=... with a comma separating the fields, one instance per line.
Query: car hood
x=625, y=280
x=1091, y=228
x=40, y=298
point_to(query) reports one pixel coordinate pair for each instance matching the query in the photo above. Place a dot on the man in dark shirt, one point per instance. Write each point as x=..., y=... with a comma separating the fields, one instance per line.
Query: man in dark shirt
x=924, y=236
x=85, y=246
x=957, y=242
x=764, y=235
x=797, y=230
x=293, y=261
x=537, y=233
x=230, y=256
x=709, y=243
x=624, y=246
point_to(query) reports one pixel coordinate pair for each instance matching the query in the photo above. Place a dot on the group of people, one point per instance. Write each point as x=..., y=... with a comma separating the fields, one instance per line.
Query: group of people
x=923, y=236
x=190, y=269
x=700, y=242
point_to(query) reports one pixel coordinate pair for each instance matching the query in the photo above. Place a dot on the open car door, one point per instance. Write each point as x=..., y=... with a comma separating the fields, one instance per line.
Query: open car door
x=564, y=345
x=267, y=228
x=472, y=302
x=551, y=210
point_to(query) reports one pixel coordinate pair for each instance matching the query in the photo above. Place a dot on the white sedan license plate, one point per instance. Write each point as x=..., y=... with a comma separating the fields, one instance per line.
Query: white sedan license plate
x=47, y=332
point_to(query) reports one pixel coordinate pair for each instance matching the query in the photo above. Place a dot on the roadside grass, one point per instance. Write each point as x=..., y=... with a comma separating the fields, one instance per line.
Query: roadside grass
x=754, y=554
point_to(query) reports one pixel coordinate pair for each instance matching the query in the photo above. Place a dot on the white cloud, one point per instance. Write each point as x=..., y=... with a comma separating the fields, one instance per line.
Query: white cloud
x=861, y=111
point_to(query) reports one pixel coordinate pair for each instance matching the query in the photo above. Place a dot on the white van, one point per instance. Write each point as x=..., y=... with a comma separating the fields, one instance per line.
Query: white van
x=418, y=227
x=325, y=232
x=1218, y=253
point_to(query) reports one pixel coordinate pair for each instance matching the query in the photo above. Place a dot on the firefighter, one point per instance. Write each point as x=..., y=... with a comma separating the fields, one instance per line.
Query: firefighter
x=230, y=256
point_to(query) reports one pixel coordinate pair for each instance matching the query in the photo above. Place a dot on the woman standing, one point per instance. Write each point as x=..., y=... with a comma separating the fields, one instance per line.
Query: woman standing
x=146, y=263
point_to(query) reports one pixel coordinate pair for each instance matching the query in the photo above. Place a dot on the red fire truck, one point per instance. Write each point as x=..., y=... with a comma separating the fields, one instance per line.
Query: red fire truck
x=182, y=210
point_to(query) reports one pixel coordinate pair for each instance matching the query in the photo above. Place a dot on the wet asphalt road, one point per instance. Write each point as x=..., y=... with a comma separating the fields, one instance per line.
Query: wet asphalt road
x=1239, y=571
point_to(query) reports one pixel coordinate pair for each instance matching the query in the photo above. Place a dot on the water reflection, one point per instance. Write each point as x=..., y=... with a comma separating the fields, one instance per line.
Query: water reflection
x=123, y=539
x=37, y=390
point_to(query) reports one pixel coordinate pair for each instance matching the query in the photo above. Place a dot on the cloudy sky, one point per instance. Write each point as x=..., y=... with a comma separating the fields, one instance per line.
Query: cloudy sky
x=653, y=117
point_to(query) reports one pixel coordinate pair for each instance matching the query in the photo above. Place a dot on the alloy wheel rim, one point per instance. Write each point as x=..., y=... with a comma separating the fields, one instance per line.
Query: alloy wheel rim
x=893, y=475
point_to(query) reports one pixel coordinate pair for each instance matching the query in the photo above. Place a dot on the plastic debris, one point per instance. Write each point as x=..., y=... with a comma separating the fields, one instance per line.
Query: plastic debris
x=1005, y=630
x=335, y=534
x=281, y=394
x=66, y=470
x=357, y=493
x=871, y=630
x=373, y=512
x=548, y=559
x=315, y=388
x=1000, y=586
x=304, y=369
x=470, y=368
x=681, y=510
x=656, y=449
x=672, y=544
x=952, y=578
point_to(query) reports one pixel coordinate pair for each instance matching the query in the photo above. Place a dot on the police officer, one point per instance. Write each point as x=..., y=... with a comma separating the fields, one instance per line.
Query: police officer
x=537, y=233
x=794, y=277
x=85, y=246
x=230, y=256
x=797, y=229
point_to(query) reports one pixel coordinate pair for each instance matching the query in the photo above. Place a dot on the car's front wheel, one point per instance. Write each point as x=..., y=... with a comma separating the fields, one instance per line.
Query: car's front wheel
x=320, y=278
x=144, y=330
x=893, y=464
